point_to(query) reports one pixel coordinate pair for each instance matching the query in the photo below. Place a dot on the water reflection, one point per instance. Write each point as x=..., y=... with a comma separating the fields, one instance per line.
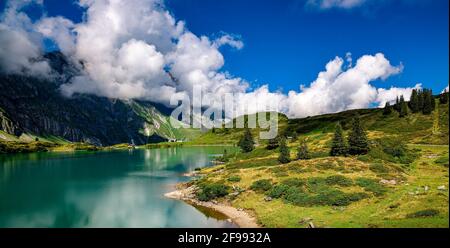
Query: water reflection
x=103, y=189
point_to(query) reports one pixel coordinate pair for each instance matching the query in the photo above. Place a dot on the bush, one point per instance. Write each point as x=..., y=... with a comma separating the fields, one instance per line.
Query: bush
x=234, y=179
x=371, y=185
x=211, y=191
x=423, y=213
x=261, y=185
x=339, y=180
x=296, y=196
x=316, y=184
x=337, y=198
x=392, y=151
x=443, y=160
x=329, y=197
x=278, y=191
x=294, y=182
x=379, y=168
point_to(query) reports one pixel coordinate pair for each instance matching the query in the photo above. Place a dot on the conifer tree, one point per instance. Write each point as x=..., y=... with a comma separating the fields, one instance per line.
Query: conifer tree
x=284, y=152
x=246, y=143
x=303, y=152
x=427, y=101
x=443, y=97
x=414, y=101
x=357, y=139
x=397, y=104
x=403, y=107
x=432, y=101
x=272, y=144
x=387, y=109
x=403, y=110
x=420, y=99
x=338, y=147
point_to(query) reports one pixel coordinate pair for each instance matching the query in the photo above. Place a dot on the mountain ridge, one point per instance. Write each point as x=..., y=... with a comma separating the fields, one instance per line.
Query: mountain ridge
x=32, y=105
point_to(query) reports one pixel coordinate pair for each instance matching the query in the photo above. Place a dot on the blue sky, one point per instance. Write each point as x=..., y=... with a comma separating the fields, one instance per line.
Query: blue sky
x=287, y=44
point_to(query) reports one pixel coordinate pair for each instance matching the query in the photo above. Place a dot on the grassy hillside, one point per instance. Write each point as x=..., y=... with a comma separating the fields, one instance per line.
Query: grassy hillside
x=414, y=128
x=402, y=181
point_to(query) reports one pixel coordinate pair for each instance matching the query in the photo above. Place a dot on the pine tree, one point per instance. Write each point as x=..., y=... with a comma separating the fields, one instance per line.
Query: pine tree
x=387, y=109
x=443, y=97
x=427, y=101
x=414, y=101
x=246, y=143
x=338, y=147
x=397, y=104
x=420, y=99
x=432, y=101
x=303, y=152
x=272, y=144
x=403, y=110
x=357, y=139
x=403, y=107
x=284, y=152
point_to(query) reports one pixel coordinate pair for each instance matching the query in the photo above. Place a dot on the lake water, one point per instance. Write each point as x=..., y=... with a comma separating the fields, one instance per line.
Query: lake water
x=102, y=189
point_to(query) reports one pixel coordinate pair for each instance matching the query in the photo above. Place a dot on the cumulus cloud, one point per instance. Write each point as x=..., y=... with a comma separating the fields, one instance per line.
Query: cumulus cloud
x=20, y=49
x=445, y=90
x=137, y=49
x=229, y=40
x=329, y=4
x=60, y=30
x=390, y=95
x=337, y=89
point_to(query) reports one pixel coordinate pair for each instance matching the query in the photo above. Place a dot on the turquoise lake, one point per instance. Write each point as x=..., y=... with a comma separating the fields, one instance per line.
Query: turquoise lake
x=102, y=189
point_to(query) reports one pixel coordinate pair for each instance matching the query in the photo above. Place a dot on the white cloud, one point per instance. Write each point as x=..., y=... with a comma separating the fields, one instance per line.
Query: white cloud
x=20, y=49
x=329, y=4
x=60, y=30
x=229, y=40
x=128, y=47
x=390, y=95
x=445, y=89
x=336, y=89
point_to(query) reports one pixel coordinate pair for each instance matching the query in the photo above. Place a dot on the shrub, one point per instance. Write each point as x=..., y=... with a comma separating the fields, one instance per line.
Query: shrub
x=316, y=184
x=294, y=182
x=371, y=185
x=261, y=185
x=423, y=213
x=339, y=180
x=335, y=197
x=234, y=179
x=211, y=191
x=379, y=168
x=278, y=191
x=303, y=152
x=443, y=160
x=297, y=197
x=329, y=197
x=272, y=144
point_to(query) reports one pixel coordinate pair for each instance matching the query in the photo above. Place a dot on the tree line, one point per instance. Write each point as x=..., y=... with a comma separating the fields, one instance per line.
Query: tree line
x=421, y=101
x=355, y=144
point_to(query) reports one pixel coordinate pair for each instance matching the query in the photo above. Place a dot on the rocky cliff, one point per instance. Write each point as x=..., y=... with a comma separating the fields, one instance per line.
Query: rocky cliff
x=35, y=106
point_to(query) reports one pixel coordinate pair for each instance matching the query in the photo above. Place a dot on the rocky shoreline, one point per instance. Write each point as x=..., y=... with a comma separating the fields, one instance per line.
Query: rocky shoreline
x=237, y=216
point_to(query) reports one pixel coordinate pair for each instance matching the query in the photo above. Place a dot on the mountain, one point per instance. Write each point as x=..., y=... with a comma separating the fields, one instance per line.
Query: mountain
x=31, y=106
